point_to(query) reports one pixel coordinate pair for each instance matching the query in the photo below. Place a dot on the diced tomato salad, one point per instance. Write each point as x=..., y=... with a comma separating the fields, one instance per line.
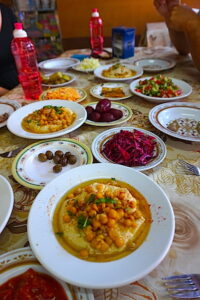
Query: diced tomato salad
x=158, y=86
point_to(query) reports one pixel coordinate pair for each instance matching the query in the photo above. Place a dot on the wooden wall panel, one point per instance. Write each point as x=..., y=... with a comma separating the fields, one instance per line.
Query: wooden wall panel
x=74, y=15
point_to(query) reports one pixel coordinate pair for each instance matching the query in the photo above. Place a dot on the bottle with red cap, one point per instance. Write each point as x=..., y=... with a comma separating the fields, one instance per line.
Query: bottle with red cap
x=96, y=33
x=24, y=53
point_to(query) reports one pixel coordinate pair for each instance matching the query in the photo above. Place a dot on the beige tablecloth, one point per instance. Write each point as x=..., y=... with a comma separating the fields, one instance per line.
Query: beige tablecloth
x=183, y=190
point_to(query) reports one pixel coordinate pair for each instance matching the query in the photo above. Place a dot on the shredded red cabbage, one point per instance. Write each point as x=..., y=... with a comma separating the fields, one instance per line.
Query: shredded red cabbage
x=130, y=148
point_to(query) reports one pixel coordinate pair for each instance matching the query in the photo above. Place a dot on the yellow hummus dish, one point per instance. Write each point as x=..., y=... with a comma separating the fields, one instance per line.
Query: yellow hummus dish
x=118, y=71
x=48, y=119
x=102, y=220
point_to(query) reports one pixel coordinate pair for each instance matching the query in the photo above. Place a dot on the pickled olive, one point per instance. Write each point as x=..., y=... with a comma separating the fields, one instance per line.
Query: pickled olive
x=67, y=154
x=56, y=159
x=72, y=159
x=59, y=153
x=57, y=168
x=49, y=154
x=64, y=161
x=42, y=157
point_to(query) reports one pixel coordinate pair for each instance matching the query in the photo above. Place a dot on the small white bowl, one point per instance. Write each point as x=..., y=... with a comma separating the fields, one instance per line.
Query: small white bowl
x=58, y=64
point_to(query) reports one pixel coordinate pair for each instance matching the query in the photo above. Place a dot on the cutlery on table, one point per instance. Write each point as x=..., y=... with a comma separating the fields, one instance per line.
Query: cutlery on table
x=188, y=169
x=186, y=286
x=11, y=153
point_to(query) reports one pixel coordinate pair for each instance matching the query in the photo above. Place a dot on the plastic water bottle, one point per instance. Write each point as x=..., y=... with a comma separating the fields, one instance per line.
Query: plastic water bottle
x=24, y=53
x=96, y=33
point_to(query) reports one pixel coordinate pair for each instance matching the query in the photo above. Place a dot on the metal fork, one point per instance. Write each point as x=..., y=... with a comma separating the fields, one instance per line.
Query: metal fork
x=11, y=153
x=189, y=169
x=183, y=286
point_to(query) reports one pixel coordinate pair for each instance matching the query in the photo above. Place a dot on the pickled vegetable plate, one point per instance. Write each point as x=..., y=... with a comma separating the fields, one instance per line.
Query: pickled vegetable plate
x=71, y=76
x=101, y=139
x=126, y=115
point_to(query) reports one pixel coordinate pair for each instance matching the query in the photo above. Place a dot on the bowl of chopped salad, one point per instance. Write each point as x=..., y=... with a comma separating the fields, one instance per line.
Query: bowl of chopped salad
x=160, y=88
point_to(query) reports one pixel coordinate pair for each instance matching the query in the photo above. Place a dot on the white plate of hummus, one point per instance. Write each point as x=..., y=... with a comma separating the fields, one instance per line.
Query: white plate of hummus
x=93, y=219
x=46, y=119
x=118, y=72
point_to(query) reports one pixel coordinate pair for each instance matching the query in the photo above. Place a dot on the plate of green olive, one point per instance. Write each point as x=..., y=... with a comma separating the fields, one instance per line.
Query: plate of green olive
x=57, y=79
x=39, y=163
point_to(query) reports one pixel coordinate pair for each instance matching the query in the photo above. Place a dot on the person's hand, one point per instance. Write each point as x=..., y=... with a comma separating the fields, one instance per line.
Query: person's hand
x=164, y=6
x=180, y=16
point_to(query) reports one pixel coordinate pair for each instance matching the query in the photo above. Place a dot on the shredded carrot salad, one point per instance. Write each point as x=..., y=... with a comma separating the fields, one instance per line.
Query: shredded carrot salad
x=63, y=93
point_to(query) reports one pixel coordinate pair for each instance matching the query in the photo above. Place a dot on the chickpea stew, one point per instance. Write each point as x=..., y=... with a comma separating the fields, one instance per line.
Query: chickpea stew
x=102, y=220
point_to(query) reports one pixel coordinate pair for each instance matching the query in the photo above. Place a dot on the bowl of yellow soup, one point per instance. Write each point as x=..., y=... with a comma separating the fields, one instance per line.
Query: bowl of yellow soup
x=103, y=226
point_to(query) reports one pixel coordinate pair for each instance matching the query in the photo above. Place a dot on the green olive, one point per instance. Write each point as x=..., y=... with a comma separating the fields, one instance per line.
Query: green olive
x=57, y=168
x=42, y=157
x=72, y=159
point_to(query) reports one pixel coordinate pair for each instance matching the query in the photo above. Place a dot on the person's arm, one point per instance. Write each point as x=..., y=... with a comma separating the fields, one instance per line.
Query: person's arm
x=178, y=37
x=179, y=40
x=184, y=19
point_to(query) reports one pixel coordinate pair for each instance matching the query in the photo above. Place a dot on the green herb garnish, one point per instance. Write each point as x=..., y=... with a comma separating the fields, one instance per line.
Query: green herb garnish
x=113, y=178
x=91, y=198
x=105, y=200
x=29, y=121
x=70, y=213
x=83, y=222
x=58, y=109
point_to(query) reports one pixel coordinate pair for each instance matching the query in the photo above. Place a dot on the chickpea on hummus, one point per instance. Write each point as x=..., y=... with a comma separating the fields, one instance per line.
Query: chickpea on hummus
x=48, y=119
x=102, y=220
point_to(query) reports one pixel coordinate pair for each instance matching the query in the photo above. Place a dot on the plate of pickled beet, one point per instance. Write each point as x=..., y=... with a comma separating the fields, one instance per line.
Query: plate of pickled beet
x=107, y=113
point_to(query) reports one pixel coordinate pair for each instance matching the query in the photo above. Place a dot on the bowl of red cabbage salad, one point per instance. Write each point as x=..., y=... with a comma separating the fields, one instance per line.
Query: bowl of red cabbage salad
x=130, y=148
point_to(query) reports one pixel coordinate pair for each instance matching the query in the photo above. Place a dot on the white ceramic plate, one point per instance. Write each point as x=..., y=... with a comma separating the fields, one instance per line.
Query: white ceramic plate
x=6, y=201
x=108, y=274
x=103, y=137
x=15, y=120
x=97, y=89
x=137, y=69
x=161, y=115
x=127, y=113
x=58, y=64
x=81, y=92
x=185, y=87
x=8, y=107
x=18, y=261
x=32, y=173
x=73, y=77
x=155, y=64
